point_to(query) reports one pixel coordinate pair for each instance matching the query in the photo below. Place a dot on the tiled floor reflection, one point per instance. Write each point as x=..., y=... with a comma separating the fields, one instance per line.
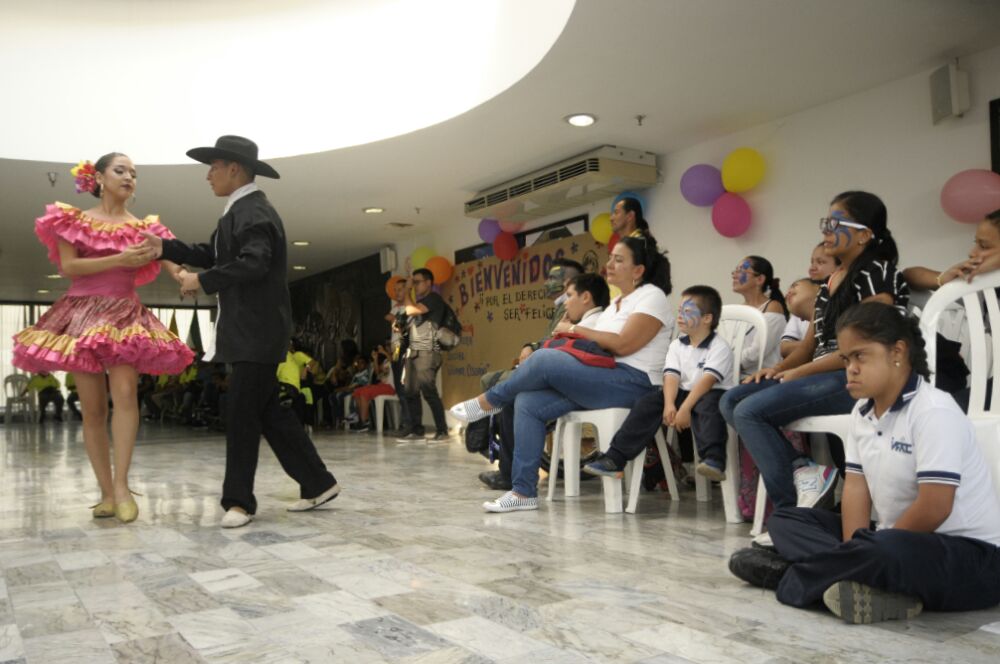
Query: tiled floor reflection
x=403, y=567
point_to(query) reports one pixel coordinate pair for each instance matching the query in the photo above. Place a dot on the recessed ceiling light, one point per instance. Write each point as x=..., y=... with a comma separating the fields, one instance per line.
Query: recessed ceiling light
x=374, y=210
x=53, y=276
x=298, y=267
x=301, y=243
x=581, y=119
x=42, y=291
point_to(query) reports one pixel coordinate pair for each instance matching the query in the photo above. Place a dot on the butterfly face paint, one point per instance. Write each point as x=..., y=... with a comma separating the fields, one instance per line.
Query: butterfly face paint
x=742, y=272
x=689, y=316
x=839, y=225
x=555, y=280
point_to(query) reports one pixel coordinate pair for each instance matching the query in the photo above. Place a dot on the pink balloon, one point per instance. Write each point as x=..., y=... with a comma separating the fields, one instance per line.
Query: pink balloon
x=731, y=215
x=970, y=195
x=511, y=226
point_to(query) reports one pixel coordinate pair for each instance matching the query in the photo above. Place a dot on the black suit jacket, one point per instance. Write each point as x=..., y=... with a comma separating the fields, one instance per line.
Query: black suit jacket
x=246, y=263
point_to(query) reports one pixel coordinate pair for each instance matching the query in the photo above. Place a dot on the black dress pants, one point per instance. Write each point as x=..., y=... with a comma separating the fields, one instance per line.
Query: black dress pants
x=646, y=418
x=252, y=411
x=945, y=572
x=420, y=377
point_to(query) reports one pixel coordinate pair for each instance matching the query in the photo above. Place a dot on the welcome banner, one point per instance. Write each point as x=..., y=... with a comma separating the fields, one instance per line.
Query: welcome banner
x=502, y=306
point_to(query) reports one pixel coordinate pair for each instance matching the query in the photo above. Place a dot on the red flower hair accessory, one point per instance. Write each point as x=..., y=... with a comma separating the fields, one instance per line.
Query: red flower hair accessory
x=85, y=176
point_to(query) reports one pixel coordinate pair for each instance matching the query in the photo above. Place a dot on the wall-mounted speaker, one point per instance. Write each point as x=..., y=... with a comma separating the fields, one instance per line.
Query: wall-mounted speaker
x=949, y=92
x=387, y=259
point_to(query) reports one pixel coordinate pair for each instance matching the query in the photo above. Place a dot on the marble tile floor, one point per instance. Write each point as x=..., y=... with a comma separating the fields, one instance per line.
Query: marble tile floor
x=403, y=567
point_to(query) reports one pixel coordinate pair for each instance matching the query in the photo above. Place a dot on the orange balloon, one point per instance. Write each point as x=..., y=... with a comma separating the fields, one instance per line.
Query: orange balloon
x=440, y=268
x=390, y=286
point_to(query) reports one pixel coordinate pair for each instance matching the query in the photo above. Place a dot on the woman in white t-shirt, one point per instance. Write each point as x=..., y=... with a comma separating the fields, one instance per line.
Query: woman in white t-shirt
x=635, y=329
x=912, y=455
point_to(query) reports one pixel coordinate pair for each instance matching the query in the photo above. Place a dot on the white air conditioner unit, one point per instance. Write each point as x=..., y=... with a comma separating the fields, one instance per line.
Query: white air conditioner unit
x=589, y=177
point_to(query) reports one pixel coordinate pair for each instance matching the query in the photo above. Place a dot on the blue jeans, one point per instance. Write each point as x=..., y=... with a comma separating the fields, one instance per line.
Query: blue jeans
x=548, y=385
x=758, y=411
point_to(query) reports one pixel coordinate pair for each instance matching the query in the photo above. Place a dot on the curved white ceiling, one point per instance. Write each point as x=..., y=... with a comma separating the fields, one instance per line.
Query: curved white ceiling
x=156, y=78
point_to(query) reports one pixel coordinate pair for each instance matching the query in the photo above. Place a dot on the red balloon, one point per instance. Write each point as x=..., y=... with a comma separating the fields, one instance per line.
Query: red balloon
x=505, y=246
x=612, y=242
x=731, y=215
x=440, y=268
x=968, y=196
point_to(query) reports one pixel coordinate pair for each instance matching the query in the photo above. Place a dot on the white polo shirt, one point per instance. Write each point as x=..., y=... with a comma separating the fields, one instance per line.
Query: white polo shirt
x=923, y=438
x=795, y=329
x=650, y=300
x=689, y=363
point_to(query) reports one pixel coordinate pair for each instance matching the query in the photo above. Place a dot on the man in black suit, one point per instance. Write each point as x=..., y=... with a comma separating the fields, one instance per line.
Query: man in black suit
x=246, y=263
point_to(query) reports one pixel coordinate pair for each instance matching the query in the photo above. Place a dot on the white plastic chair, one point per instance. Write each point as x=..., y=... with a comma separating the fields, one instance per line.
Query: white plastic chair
x=566, y=444
x=16, y=402
x=984, y=362
x=380, y=402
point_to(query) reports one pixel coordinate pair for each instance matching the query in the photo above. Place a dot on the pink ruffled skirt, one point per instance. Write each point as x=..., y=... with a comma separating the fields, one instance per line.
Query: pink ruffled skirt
x=89, y=333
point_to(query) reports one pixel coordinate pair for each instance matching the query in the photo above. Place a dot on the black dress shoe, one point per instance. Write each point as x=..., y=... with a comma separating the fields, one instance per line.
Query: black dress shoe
x=759, y=567
x=494, y=480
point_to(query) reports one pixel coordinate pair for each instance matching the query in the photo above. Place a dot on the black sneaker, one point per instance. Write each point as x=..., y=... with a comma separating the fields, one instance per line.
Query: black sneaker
x=440, y=436
x=859, y=604
x=604, y=467
x=759, y=567
x=410, y=437
x=359, y=427
x=494, y=480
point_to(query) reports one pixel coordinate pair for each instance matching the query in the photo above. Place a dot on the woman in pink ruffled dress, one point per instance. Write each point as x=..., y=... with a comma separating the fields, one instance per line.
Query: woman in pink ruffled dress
x=99, y=327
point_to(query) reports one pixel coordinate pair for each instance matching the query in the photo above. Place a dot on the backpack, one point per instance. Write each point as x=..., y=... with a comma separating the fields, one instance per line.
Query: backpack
x=449, y=333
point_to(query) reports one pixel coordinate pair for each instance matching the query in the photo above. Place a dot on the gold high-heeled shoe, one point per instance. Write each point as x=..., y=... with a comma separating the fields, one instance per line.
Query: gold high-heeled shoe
x=128, y=511
x=103, y=510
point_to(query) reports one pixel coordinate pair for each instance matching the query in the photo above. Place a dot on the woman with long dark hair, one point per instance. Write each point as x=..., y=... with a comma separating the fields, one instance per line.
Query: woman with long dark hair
x=810, y=381
x=754, y=280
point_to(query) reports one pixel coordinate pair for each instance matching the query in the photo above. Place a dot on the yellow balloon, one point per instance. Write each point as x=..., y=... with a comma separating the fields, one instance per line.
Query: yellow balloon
x=742, y=170
x=420, y=256
x=600, y=228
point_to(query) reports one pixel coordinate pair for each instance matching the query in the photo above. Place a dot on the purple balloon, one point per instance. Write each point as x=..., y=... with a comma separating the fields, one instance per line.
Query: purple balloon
x=701, y=185
x=489, y=229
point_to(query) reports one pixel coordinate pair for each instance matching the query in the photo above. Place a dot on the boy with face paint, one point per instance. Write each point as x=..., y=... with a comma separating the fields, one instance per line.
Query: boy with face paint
x=699, y=369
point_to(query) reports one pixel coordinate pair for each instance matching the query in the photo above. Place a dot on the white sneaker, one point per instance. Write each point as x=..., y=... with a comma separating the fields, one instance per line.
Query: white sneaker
x=763, y=541
x=813, y=484
x=471, y=411
x=235, y=518
x=509, y=502
x=307, y=504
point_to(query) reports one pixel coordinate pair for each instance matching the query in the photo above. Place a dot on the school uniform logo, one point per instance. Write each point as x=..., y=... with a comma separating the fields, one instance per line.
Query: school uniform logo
x=902, y=446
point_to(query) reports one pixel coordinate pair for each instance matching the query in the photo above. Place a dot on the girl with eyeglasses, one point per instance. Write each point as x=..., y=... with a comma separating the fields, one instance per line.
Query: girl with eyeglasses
x=811, y=380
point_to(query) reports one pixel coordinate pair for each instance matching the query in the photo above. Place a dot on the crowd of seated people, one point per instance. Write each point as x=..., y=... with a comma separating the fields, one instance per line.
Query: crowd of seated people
x=841, y=343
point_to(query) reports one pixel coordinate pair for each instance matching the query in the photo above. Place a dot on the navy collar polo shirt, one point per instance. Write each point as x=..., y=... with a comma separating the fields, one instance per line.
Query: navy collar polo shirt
x=923, y=438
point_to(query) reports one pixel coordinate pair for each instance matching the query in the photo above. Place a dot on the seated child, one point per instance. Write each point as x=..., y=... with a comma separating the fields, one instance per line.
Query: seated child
x=801, y=301
x=698, y=370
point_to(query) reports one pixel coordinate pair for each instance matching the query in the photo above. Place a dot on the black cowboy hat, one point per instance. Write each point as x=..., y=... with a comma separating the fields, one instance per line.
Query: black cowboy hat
x=234, y=148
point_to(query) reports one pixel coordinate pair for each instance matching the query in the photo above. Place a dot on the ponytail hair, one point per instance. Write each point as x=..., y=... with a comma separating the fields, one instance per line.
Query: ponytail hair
x=633, y=205
x=869, y=210
x=771, y=286
x=646, y=253
x=885, y=324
